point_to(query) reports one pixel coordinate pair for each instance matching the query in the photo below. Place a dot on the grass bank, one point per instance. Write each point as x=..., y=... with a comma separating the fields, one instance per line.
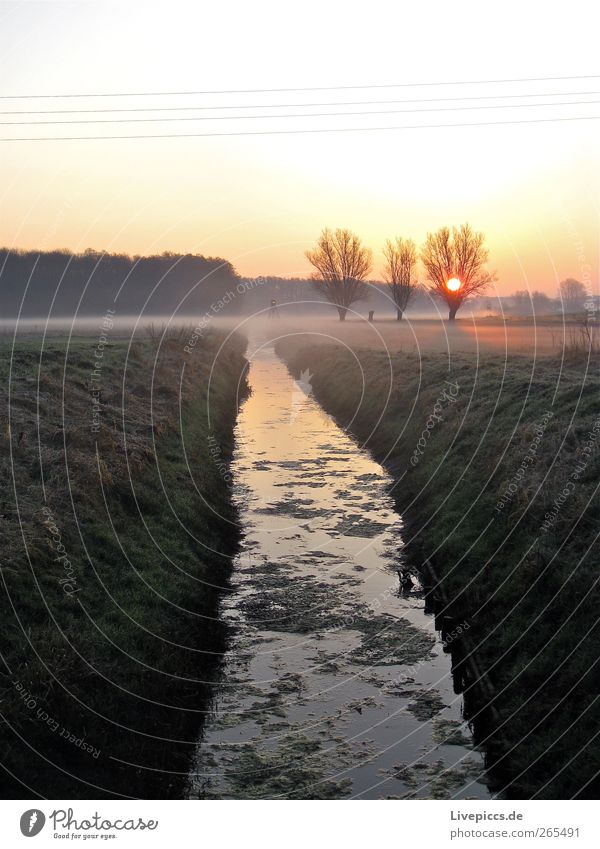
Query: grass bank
x=117, y=536
x=496, y=464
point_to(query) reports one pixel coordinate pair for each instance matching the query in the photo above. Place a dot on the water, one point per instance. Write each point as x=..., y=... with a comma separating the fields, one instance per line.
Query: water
x=335, y=684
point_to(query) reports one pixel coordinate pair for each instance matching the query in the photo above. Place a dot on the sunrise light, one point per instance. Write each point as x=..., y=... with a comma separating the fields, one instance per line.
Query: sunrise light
x=454, y=284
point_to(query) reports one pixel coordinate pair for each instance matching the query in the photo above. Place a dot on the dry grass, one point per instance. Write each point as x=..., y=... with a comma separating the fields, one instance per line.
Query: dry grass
x=583, y=342
x=526, y=582
x=120, y=661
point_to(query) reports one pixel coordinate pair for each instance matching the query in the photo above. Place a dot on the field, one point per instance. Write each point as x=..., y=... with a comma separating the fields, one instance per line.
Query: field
x=496, y=464
x=117, y=535
x=467, y=333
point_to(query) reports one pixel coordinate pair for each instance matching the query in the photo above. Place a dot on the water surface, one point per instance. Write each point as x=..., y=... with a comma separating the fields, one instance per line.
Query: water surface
x=335, y=684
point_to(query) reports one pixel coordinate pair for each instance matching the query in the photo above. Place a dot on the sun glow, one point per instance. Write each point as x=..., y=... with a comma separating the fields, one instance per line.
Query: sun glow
x=142, y=197
x=454, y=284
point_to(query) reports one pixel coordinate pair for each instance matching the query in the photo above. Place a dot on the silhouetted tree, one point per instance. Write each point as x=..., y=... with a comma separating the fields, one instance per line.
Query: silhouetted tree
x=36, y=283
x=525, y=302
x=342, y=263
x=399, y=271
x=572, y=294
x=457, y=255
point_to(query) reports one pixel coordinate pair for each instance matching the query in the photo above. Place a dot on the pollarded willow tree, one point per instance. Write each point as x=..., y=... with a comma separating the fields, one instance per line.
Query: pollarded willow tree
x=342, y=265
x=455, y=263
x=399, y=271
x=572, y=295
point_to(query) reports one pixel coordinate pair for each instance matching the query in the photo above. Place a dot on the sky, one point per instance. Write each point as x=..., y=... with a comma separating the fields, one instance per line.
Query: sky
x=258, y=196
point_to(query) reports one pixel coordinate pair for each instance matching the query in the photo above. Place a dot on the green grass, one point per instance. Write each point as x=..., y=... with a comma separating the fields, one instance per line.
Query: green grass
x=146, y=519
x=529, y=593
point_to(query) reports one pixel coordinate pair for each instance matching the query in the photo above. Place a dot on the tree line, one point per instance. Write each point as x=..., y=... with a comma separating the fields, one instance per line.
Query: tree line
x=62, y=283
x=455, y=265
x=571, y=297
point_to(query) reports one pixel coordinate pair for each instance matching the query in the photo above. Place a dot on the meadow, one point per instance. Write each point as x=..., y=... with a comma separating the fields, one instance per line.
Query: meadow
x=496, y=465
x=117, y=535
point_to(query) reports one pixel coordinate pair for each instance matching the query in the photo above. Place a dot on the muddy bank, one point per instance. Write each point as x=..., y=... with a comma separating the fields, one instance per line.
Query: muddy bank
x=119, y=530
x=495, y=467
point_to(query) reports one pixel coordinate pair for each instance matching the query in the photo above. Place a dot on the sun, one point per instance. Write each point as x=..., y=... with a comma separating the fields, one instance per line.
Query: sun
x=453, y=284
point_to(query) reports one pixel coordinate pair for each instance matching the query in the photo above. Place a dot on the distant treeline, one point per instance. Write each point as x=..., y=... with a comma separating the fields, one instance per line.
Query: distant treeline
x=60, y=283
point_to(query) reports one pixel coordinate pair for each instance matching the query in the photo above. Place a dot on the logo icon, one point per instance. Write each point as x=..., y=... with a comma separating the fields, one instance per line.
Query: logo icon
x=32, y=822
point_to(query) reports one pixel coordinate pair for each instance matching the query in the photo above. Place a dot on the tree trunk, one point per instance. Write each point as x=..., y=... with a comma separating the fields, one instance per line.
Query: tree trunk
x=399, y=315
x=342, y=313
x=452, y=313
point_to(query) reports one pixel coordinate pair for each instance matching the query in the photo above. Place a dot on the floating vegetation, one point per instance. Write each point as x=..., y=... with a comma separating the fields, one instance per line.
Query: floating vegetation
x=448, y=732
x=357, y=525
x=301, y=604
x=294, y=770
x=390, y=641
x=426, y=705
x=294, y=508
x=437, y=780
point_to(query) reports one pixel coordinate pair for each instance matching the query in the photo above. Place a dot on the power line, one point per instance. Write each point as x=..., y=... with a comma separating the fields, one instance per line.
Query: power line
x=300, y=115
x=297, y=105
x=304, y=132
x=290, y=105
x=300, y=88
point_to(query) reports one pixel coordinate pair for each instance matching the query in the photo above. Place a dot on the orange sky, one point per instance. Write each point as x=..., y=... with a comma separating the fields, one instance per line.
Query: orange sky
x=261, y=200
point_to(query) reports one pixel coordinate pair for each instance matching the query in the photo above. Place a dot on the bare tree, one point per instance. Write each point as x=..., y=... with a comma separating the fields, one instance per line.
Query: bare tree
x=342, y=263
x=399, y=271
x=535, y=302
x=572, y=294
x=455, y=265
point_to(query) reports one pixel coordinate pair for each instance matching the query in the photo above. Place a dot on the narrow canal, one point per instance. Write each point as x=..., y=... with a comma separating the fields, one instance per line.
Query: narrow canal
x=335, y=683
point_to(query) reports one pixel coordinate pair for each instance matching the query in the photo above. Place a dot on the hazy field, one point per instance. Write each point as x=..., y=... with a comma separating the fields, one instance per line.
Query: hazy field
x=423, y=335
x=469, y=333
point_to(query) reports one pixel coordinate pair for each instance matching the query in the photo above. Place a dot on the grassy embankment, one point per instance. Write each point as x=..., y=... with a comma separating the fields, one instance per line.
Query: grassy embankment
x=111, y=564
x=501, y=494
